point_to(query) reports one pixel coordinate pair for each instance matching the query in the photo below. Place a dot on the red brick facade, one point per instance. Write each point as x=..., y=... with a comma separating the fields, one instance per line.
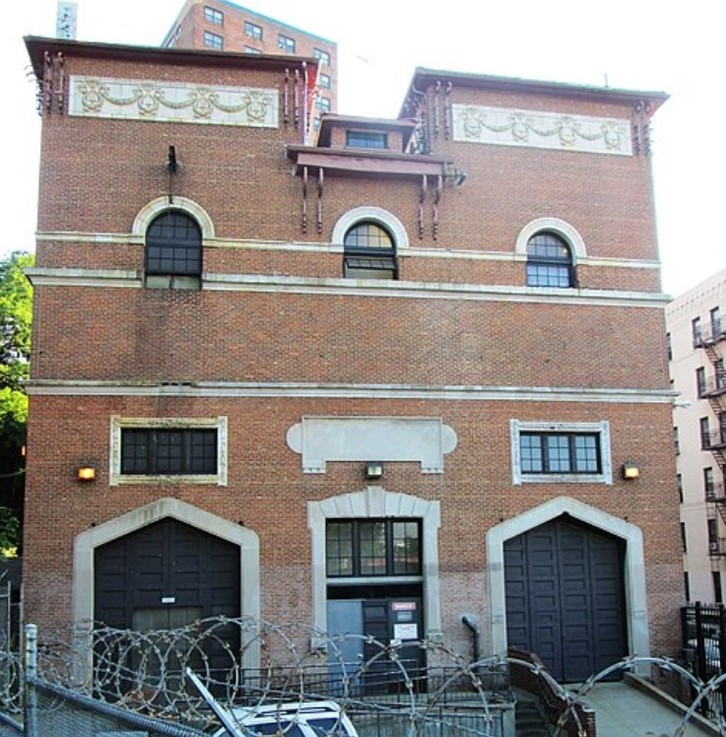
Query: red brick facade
x=274, y=334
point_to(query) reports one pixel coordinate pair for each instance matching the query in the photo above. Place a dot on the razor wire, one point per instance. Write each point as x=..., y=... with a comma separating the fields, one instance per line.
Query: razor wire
x=253, y=663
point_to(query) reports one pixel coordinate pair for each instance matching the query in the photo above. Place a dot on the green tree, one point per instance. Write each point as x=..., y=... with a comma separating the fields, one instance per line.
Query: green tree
x=16, y=303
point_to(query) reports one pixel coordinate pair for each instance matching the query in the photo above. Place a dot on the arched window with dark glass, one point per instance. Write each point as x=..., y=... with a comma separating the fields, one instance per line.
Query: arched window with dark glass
x=369, y=252
x=174, y=245
x=549, y=262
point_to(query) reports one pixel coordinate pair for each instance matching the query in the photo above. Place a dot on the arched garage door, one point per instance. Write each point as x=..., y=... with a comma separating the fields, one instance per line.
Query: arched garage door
x=565, y=597
x=165, y=575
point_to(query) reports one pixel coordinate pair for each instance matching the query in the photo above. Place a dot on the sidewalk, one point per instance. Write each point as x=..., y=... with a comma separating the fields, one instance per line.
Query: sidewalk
x=625, y=711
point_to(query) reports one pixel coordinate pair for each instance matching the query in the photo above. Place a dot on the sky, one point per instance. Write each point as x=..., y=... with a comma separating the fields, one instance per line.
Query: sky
x=652, y=45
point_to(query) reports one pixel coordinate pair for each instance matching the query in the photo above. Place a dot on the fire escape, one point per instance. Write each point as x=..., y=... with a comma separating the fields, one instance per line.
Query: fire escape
x=713, y=388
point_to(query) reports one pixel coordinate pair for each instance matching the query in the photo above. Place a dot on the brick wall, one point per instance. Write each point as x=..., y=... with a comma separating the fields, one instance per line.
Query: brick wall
x=98, y=174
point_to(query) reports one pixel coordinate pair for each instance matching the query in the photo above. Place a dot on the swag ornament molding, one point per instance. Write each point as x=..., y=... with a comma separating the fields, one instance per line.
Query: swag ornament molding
x=173, y=102
x=536, y=129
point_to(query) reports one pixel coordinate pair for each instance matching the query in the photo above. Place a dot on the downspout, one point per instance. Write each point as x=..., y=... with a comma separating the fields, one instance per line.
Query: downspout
x=469, y=621
x=306, y=92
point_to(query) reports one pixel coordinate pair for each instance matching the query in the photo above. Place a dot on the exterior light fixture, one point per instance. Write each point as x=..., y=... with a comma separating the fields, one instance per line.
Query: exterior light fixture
x=630, y=471
x=454, y=176
x=373, y=469
x=86, y=473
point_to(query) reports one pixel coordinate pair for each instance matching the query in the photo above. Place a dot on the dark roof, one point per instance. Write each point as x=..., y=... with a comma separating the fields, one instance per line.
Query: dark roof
x=423, y=77
x=37, y=46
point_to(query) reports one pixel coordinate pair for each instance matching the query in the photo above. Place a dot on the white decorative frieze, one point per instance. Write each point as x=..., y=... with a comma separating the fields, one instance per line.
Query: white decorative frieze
x=136, y=99
x=536, y=129
x=321, y=439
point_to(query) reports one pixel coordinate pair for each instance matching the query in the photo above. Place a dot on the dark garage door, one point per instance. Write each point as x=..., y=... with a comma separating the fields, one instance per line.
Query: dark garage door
x=164, y=576
x=170, y=567
x=565, y=597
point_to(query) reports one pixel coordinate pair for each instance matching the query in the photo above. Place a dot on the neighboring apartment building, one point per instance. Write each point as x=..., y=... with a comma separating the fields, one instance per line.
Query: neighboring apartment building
x=697, y=350
x=414, y=371
x=225, y=26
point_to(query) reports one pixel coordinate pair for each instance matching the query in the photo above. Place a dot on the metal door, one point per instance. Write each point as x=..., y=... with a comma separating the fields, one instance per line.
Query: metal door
x=345, y=655
x=166, y=575
x=565, y=597
x=385, y=620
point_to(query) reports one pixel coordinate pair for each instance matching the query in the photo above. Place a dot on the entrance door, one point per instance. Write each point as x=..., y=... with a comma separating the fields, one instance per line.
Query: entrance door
x=384, y=620
x=565, y=597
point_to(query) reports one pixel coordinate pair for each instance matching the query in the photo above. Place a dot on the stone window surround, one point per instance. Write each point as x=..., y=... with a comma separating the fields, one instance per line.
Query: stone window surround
x=602, y=429
x=150, y=210
x=372, y=214
x=116, y=478
x=554, y=225
x=375, y=501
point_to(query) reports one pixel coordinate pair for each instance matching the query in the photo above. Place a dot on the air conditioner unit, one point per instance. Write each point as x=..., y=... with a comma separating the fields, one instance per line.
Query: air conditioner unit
x=713, y=547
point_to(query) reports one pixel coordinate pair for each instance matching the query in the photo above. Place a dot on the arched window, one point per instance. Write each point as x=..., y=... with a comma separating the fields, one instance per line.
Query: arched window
x=549, y=261
x=369, y=252
x=174, y=245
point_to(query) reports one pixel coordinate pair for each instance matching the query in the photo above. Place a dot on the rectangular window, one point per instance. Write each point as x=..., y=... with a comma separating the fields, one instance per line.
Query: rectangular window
x=684, y=544
x=160, y=452
x=324, y=81
x=554, y=453
x=679, y=483
x=548, y=275
x=696, y=331
x=251, y=50
x=252, y=30
x=560, y=452
x=213, y=16
x=322, y=56
x=709, y=485
x=712, y=535
x=373, y=548
x=717, y=591
x=366, y=139
x=339, y=548
x=676, y=441
x=669, y=346
x=705, y=430
x=324, y=104
x=213, y=41
x=686, y=586
x=700, y=381
x=191, y=450
x=720, y=374
x=722, y=428
x=286, y=43
x=715, y=320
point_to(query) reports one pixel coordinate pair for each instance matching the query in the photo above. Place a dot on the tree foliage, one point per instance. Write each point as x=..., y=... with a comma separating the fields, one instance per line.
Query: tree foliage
x=16, y=306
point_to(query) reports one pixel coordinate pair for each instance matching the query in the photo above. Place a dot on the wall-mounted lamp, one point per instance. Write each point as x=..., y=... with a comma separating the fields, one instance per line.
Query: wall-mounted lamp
x=373, y=469
x=630, y=471
x=455, y=176
x=86, y=473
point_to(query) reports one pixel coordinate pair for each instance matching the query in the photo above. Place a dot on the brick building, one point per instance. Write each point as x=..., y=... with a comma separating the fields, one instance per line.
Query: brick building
x=225, y=26
x=382, y=381
x=696, y=350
